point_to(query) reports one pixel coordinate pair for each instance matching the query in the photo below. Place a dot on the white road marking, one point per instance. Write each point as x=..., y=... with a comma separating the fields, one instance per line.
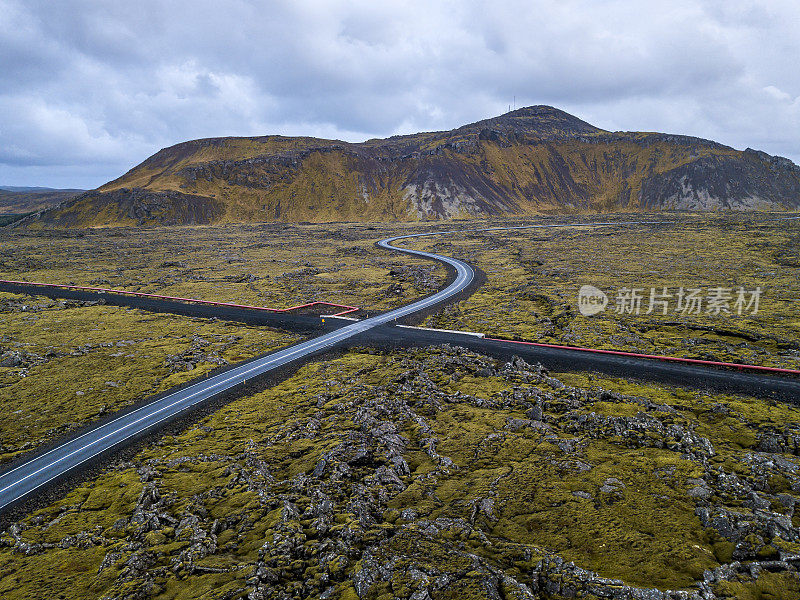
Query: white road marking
x=464, y=276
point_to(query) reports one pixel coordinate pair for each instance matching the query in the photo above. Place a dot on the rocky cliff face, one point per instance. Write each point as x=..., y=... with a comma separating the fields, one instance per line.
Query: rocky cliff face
x=527, y=161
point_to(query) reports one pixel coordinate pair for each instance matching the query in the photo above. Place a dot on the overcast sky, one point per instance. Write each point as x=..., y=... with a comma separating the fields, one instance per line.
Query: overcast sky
x=90, y=89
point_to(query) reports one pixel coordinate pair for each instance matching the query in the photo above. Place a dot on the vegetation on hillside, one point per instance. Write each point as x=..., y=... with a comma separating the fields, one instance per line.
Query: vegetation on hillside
x=530, y=161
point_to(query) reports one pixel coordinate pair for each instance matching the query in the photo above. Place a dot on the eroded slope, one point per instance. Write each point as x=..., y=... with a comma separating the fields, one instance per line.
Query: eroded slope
x=532, y=160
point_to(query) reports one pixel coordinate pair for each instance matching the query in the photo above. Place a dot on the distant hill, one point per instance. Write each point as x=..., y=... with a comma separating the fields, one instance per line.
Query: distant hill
x=15, y=188
x=532, y=160
x=24, y=200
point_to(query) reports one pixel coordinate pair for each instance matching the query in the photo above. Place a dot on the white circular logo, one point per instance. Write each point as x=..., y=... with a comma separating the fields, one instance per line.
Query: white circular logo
x=591, y=300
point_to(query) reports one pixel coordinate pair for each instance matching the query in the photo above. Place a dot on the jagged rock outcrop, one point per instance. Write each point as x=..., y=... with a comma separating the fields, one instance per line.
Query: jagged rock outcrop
x=453, y=477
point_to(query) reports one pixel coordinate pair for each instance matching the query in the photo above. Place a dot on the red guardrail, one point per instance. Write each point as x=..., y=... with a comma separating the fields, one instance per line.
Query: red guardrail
x=350, y=309
x=193, y=300
x=692, y=361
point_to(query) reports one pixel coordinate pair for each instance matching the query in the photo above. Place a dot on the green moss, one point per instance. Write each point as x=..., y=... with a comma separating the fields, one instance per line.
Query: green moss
x=25, y=577
x=533, y=278
x=779, y=483
x=500, y=492
x=106, y=358
x=768, y=586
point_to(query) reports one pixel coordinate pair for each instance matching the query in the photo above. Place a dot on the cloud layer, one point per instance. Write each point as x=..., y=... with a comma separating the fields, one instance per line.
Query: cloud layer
x=89, y=89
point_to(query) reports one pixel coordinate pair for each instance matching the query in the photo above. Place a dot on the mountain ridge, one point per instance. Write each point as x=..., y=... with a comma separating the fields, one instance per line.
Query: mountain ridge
x=531, y=160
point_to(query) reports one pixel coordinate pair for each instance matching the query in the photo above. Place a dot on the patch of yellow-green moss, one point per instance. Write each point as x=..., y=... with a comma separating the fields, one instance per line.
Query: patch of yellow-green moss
x=510, y=496
x=83, y=362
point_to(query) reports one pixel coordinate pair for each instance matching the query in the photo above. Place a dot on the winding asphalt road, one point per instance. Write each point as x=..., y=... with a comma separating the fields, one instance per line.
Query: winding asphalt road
x=21, y=482
x=28, y=477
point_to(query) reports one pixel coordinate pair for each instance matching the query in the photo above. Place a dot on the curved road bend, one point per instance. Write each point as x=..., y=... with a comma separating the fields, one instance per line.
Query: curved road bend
x=19, y=482
x=37, y=472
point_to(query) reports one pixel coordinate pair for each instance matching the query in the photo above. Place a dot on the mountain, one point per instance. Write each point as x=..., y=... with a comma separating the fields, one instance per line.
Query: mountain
x=527, y=161
x=16, y=188
x=23, y=200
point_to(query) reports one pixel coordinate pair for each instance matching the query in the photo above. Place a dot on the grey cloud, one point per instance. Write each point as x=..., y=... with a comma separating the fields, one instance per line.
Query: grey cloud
x=92, y=88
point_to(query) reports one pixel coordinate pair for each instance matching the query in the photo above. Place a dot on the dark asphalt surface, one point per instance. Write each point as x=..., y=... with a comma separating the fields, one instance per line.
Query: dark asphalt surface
x=19, y=482
x=292, y=322
x=778, y=388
